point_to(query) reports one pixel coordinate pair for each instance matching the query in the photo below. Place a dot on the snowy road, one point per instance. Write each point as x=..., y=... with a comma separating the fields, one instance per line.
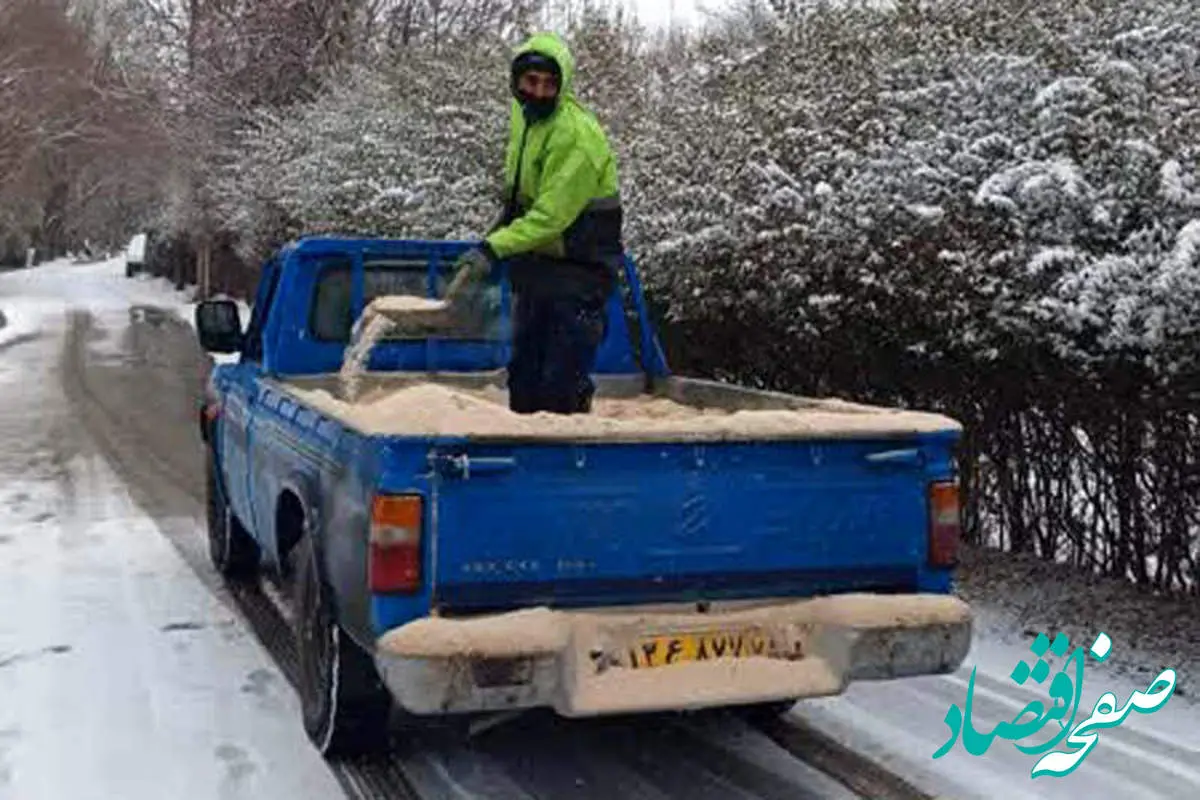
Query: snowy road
x=121, y=674
x=127, y=670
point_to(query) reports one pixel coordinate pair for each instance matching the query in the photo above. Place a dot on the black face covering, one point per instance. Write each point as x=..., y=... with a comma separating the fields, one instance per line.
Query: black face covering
x=534, y=108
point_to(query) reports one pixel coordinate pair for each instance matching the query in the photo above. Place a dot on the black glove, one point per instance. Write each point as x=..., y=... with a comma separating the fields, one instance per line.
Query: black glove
x=472, y=267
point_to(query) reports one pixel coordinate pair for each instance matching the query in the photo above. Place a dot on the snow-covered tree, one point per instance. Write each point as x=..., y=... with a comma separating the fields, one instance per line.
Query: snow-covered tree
x=411, y=152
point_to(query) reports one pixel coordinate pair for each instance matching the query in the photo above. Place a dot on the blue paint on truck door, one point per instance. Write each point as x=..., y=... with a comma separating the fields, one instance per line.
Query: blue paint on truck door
x=241, y=399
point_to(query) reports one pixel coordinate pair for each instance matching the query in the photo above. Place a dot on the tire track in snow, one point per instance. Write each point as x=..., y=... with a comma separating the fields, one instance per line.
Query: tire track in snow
x=170, y=493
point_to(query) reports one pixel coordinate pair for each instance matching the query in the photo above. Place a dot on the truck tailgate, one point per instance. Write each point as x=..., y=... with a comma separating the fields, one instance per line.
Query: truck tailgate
x=611, y=524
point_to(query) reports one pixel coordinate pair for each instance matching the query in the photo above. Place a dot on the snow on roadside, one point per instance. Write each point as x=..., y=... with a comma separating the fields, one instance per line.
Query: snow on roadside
x=901, y=723
x=100, y=287
x=1024, y=596
x=103, y=287
x=121, y=675
x=17, y=321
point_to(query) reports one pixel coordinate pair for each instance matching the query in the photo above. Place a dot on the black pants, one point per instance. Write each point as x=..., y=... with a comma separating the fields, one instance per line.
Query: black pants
x=555, y=339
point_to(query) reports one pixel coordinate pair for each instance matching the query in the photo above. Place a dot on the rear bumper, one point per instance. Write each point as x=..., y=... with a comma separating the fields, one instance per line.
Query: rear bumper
x=578, y=662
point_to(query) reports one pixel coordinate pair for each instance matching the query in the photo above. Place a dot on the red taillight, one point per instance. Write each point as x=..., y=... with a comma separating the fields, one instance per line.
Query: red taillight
x=945, y=523
x=395, y=556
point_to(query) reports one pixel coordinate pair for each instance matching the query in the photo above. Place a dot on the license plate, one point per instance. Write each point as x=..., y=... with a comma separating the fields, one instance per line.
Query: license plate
x=678, y=648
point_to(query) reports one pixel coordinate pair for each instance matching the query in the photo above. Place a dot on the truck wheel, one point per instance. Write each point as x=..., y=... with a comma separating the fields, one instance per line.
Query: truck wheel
x=345, y=704
x=766, y=711
x=231, y=548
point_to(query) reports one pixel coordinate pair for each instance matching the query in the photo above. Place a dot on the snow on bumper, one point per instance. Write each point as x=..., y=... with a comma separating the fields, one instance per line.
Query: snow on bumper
x=604, y=661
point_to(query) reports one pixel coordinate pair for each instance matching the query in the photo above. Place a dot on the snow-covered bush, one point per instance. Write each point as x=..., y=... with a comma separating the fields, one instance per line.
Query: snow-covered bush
x=408, y=151
x=843, y=193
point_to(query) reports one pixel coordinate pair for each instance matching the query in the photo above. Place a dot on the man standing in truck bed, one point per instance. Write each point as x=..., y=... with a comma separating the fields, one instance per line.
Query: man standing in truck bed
x=561, y=233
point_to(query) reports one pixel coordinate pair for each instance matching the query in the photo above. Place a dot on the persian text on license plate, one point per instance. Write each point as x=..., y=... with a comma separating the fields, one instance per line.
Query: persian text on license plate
x=658, y=651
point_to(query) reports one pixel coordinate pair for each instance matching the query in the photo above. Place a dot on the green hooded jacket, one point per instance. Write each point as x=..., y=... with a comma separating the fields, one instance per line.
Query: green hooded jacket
x=567, y=204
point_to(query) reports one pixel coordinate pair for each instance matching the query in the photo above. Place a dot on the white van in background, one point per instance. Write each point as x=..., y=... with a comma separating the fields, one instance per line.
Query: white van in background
x=135, y=255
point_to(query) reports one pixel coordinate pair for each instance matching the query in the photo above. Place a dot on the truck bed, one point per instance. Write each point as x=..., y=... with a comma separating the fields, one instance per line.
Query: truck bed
x=694, y=490
x=475, y=406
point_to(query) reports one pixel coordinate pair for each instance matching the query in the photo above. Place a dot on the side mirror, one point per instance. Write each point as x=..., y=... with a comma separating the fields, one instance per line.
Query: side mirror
x=219, y=325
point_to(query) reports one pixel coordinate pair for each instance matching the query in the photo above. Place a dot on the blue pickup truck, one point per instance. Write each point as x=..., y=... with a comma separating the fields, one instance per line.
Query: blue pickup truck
x=766, y=548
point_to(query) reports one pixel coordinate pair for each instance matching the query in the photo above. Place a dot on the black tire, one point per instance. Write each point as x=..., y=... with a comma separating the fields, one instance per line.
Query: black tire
x=345, y=705
x=231, y=548
x=764, y=712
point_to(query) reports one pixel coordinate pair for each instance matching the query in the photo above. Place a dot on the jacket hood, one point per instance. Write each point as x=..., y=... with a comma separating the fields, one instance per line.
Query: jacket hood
x=551, y=45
